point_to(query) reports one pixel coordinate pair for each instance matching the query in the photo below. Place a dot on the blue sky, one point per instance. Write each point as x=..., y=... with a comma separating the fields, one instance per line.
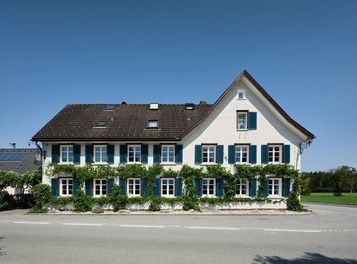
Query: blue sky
x=304, y=53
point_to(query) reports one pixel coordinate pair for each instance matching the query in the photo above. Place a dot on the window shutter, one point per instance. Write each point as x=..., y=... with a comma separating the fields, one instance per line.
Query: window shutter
x=286, y=154
x=219, y=154
x=157, y=153
x=110, y=153
x=89, y=155
x=266, y=189
x=144, y=186
x=122, y=185
x=76, y=185
x=253, y=154
x=157, y=187
x=54, y=187
x=198, y=186
x=77, y=154
x=89, y=187
x=144, y=153
x=286, y=190
x=198, y=154
x=123, y=153
x=252, y=120
x=219, y=187
x=178, y=187
x=55, y=151
x=178, y=152
x=253, y=187
x=110, y=185
x=264, y=154
x=231, y=154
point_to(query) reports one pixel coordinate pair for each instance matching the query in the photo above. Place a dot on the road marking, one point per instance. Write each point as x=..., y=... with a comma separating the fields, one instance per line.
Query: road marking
x=291, y=230
x=32, y=223
x=214, y=228
x=143, y=226
x=81, y=224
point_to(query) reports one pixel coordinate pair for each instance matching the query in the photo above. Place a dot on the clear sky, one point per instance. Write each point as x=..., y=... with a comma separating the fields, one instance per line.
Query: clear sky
x=304, y=54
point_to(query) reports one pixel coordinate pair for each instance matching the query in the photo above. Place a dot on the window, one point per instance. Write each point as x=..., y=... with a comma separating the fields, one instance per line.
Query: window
x=242, y=188
x=100, y=187
x=134, y=153
x=275, y=153
x=274, y=186
x=101, y=123
x=134, y=187
x=242, y=153
x=167, y=153
x=209, y=153
x=241, y=94
x=100, y=153
x=168, y=187
x=66, y=153
x=153, y=124
x=242, y=120
x=109, y=107
x=209, y=187
x=66, y=187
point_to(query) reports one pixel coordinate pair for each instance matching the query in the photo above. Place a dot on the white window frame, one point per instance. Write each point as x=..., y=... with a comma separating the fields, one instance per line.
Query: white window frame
x=272, y=153
x=245, y=124
x=133, y=182
x=153, y=124
x=67, y=186
x=239, y=149
x=136, y=153
x=168, y=149
x=209, y=150
x=242, y=92
x=209, y=182
x=103, y=153
x=66, y=154
x=275, y=187
x=166, y=192
x=103, y=187
x=239, y=188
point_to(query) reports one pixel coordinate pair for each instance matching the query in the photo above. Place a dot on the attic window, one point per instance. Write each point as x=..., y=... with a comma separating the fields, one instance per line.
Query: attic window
x=109, y=107
x=154, y=106
x=189, y=106
x=241, y=94
x=153, y=123
x=101, y=123
x=20, y=166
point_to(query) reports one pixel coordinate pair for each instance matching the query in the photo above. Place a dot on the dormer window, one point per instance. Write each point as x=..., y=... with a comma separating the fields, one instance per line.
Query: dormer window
x=241, y=94
x=101, y=123
x=154, y=106
x=109, y=107
x=153, y=124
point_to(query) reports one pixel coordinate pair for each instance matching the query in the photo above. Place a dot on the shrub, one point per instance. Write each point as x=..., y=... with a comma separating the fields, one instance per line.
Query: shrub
x=154, y=204
x=190, y=203
x=82, y=202
x=117, y=199
x=42, y=195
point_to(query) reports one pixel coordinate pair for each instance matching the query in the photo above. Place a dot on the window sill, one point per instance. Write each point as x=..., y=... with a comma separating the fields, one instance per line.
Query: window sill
x=99, y=163
x=275, y=197
x=243, y=196
x=208, y=163
x=243, y=130
x=168, y=163
x=168, y=196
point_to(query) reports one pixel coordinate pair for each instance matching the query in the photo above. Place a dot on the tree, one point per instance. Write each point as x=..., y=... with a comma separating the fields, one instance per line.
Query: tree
x=343, y=175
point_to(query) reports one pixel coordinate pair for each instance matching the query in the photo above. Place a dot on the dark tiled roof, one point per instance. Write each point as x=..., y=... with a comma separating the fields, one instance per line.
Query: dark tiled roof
x=125, y=122
x=18, y=160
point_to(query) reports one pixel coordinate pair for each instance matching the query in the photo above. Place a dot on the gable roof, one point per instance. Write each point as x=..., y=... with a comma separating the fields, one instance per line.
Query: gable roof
x=244, y=73
x=18, y=160
x=127, y=122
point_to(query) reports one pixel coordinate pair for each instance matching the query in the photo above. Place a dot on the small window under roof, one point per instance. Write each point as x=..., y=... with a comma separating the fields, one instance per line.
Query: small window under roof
x=101, y=123
x=153, y=123
x=189, y=106
x=109, y=107
x=154, y=106
x=20, y=166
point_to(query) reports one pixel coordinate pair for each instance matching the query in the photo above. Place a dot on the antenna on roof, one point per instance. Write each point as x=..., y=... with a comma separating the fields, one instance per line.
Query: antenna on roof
x=13, y=145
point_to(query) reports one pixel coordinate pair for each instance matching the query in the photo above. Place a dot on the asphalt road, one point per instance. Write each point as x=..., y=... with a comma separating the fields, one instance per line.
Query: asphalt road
x=327, y=235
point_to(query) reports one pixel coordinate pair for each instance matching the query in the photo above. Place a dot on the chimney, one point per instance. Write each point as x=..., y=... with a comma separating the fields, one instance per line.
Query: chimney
x=13, y=145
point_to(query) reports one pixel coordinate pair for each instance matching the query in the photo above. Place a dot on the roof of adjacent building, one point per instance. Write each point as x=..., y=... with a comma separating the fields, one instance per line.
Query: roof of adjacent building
x=130, y=122
x=19, y=160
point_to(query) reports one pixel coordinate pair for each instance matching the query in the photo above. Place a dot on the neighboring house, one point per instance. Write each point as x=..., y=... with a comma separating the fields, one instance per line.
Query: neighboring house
x=245, y=125
x=20, y=161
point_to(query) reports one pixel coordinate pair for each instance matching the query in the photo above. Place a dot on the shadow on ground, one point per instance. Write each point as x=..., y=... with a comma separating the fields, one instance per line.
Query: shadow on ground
x=2, y=253
x=307, y=258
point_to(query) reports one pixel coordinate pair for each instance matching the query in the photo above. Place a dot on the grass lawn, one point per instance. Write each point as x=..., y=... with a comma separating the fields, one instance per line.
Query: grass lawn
x=347, y=198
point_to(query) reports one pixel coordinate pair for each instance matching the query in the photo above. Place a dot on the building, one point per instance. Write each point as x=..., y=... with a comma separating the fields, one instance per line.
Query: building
x=245, y=125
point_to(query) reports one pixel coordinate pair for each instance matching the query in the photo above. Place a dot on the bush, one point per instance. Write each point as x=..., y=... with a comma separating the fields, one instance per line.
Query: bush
x=42, y=195
x=190, y=203
x=154, y=204
x=118, y=200
x=82, y=202
x=6, y=201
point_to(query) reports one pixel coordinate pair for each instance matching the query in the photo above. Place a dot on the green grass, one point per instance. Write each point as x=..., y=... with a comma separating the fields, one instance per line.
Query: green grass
x=347, y=198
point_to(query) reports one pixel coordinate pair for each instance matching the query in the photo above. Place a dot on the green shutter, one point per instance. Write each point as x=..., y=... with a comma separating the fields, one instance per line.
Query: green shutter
x=198, y=154
x=55, y=151
x=76, y=185
x=110, y=153
x=178, y=187
x=231, y=154
x=253, y=187
x=219, y=187
x=123, y=153
x=77, y=154
x=178, y=153
x=157, y=190
x=122, y=185
x=89, y=155
x=144, y=186
x=198, y=186
x=266, y=189
x=286, y=154
x=157, y=153
x=89, y=187
x=219, y=154
x=144, y=153
x=110, y=185
x=54, y=187
x=286, y=190
x=252, y=120
x=253, y=154
x=264, y=154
